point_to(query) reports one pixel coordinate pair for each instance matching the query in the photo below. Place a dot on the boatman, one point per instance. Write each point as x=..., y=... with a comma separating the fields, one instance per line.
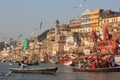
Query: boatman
x=22, y=65
x=79, y=64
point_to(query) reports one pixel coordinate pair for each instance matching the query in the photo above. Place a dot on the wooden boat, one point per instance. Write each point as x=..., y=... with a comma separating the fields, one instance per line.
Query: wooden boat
x=51, y=70
x=112, y=69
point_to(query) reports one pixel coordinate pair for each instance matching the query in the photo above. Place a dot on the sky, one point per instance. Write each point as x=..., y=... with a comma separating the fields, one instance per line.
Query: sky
x=25, y=16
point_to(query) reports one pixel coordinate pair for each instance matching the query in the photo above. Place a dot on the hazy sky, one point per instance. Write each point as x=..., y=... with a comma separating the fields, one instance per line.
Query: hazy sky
x=24, y=16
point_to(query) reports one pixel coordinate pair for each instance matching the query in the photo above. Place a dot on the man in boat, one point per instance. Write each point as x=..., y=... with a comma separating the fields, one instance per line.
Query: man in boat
x=79, y=64
x=22, y=65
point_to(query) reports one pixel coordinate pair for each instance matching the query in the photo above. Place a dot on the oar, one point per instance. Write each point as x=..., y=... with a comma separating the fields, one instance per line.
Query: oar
x=8, y=73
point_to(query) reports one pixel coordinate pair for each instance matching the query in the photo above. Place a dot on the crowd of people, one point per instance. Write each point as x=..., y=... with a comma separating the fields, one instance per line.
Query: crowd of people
x=97, y=61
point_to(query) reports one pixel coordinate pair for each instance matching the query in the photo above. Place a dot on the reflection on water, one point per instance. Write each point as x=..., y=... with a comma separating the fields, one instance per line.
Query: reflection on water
x=63, y=73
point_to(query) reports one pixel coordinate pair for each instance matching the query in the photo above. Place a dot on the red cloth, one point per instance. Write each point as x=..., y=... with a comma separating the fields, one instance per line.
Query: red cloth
x=93, y=66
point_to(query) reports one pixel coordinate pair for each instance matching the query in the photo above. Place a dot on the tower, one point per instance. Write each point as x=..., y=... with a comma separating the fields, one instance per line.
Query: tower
x=57, y=27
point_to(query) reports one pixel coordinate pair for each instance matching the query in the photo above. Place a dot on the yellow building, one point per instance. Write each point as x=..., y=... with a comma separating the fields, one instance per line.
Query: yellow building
x=95, y=19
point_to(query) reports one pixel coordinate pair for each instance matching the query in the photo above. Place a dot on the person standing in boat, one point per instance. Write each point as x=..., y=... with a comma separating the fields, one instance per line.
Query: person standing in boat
x=22, y=65
x=93, y=65
x=79, y=64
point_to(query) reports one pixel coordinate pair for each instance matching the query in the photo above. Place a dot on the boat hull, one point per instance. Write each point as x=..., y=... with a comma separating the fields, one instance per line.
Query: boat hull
x=113, y=69
x=36, y=71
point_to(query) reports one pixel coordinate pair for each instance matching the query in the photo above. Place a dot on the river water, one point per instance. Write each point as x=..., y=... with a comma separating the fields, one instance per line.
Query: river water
x=63, y=73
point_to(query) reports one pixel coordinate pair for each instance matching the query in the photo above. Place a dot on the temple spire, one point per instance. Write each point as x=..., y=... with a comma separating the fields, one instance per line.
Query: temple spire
x=105, y=33
x=57, y=26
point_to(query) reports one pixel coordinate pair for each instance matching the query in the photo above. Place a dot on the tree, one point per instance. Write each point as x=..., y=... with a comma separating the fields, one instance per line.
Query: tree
x=57, y=23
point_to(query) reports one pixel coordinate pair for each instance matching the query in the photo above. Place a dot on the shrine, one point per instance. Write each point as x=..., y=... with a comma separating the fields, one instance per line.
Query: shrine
x=105, y=45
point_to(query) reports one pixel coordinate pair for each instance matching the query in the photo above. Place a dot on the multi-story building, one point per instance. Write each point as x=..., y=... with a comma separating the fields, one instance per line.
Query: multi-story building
x=56, y=39
x=85, y=30
x=75, y=24
x=50, y=40
x=111, y=20
x=70, y=42
x=95, y=16
x=85, y=19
